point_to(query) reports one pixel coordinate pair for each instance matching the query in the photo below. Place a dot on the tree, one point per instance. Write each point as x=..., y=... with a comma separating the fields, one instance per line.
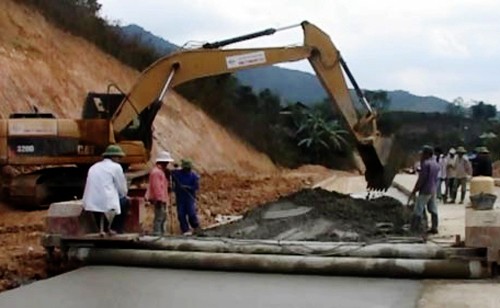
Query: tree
x=457, y=107
x=482, y=111
x=378, y=99
x=317, y=134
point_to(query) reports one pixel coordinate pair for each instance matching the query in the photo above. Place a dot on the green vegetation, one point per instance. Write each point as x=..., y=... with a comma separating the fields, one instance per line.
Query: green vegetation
x=460, y=126
x=81, y=18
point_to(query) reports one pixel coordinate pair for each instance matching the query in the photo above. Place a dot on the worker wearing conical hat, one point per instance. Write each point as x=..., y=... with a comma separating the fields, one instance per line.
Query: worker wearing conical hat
x=186, y=184
x=106, y=190
x=425, y=191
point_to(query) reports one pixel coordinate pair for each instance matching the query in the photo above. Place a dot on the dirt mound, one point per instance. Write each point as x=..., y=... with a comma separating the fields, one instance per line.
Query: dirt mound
x=316, y=214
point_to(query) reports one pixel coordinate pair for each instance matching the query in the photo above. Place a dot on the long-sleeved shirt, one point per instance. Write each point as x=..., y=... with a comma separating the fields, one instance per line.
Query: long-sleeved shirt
x=158, y=186
x=186, y=183
x=442, y=166
x=451, y=171
x=463, y=167
x=105, y=185
x=428, y=177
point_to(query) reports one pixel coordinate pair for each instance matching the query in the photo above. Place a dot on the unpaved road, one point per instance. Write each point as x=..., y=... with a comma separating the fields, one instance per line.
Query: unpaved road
x=139, y=287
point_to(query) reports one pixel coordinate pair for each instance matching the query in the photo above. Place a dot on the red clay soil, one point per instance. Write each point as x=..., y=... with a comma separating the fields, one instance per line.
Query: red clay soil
x=22, y=258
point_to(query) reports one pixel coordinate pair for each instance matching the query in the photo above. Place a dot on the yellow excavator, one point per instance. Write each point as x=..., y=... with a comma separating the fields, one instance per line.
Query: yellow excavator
x=63, y=149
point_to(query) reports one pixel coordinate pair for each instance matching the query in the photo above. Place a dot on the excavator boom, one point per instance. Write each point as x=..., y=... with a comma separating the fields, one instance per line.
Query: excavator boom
x=324, y=57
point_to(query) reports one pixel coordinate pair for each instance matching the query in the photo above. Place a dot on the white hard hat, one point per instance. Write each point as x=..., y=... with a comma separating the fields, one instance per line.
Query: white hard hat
x=453, y=151
x=164, y=157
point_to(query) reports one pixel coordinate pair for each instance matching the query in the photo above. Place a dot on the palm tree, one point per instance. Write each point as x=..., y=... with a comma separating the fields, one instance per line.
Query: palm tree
x=317, y=134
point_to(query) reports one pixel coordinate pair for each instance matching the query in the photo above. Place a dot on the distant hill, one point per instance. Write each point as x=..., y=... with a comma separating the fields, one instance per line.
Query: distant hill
x=405, y=101
x=293, y=85
x=161, y=46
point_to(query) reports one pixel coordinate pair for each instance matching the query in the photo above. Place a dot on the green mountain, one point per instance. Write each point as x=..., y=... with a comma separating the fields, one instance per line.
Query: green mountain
x=405, y=101
x=293, y=85
x=135, y=32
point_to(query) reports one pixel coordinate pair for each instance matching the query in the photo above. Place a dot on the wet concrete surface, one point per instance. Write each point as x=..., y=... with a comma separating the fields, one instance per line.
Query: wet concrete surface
x=124, y=287
x=321, y=215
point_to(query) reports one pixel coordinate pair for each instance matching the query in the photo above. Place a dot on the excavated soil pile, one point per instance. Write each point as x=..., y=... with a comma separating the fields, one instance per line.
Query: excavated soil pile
x=319, y=215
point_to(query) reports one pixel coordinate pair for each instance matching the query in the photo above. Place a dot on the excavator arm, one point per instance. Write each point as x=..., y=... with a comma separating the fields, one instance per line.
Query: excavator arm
x=187, y=65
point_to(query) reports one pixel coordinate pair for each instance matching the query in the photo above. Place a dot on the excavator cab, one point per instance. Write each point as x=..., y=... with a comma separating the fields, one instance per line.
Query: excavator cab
x=104, y=105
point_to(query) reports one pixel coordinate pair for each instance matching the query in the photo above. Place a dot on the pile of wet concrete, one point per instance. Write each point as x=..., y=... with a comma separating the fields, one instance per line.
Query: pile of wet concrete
x=320, y=215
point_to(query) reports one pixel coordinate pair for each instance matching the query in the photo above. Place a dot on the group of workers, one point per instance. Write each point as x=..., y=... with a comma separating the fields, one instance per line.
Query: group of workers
x=105, y=194
x=451, y=170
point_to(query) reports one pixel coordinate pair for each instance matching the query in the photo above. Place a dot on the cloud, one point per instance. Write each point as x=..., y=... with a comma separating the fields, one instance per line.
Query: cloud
x=445, y=43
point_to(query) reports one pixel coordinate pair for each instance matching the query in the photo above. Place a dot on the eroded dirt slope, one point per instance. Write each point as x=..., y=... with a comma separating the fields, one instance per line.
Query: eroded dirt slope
x=45, y=67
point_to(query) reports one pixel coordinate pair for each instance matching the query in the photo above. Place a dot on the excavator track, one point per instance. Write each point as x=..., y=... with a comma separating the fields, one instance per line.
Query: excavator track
x=37, y=190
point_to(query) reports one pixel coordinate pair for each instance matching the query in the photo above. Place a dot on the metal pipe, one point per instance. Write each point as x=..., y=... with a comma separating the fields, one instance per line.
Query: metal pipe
x=359, y=93
x=246, y=37
x=167, y=83
x=340, y=249
x=373, y=267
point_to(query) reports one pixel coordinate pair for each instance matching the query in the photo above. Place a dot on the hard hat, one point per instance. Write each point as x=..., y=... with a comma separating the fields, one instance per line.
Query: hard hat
x=452, y=151
x=113, y=150
x=164, y=157
x=186, y=163
x=461, y=150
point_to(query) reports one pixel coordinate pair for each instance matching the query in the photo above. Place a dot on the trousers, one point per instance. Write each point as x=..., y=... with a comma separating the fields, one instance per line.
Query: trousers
x=160, y=218
x=422, y=201
x=186, y=214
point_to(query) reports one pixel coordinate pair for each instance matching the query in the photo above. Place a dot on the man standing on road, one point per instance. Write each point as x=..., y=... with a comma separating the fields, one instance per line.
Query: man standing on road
x=451, y=174
x=463, y=170
x=157, y=192
x=426, y=187
x=106, y=191
x=441, y=160
x=186, y=184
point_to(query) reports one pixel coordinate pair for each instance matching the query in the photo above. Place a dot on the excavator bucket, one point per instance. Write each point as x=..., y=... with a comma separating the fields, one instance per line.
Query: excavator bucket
x=382, y=160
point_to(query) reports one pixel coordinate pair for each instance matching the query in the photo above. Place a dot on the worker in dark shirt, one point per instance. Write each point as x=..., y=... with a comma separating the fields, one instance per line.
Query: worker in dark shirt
x=426, y=187
x=186, y=184
x=482, y=165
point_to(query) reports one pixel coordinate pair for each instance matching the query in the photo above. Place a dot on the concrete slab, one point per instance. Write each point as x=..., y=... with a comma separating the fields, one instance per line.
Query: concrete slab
x=445, y=293
x=123, y=287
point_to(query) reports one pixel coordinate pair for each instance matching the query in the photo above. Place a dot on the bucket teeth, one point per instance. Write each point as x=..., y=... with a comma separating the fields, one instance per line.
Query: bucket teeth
x=382, y=160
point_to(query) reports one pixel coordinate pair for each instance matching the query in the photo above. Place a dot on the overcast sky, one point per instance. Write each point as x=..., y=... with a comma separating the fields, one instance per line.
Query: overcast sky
x=445, y=48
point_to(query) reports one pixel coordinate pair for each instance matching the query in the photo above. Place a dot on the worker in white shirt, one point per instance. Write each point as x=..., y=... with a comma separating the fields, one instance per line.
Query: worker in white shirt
x=463, y=170
x=105, y=192
x=451, y=174
x=441, y=159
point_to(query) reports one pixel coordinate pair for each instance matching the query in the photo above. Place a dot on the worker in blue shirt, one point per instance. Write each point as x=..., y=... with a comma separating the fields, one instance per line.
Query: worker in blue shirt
x=186, y=184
